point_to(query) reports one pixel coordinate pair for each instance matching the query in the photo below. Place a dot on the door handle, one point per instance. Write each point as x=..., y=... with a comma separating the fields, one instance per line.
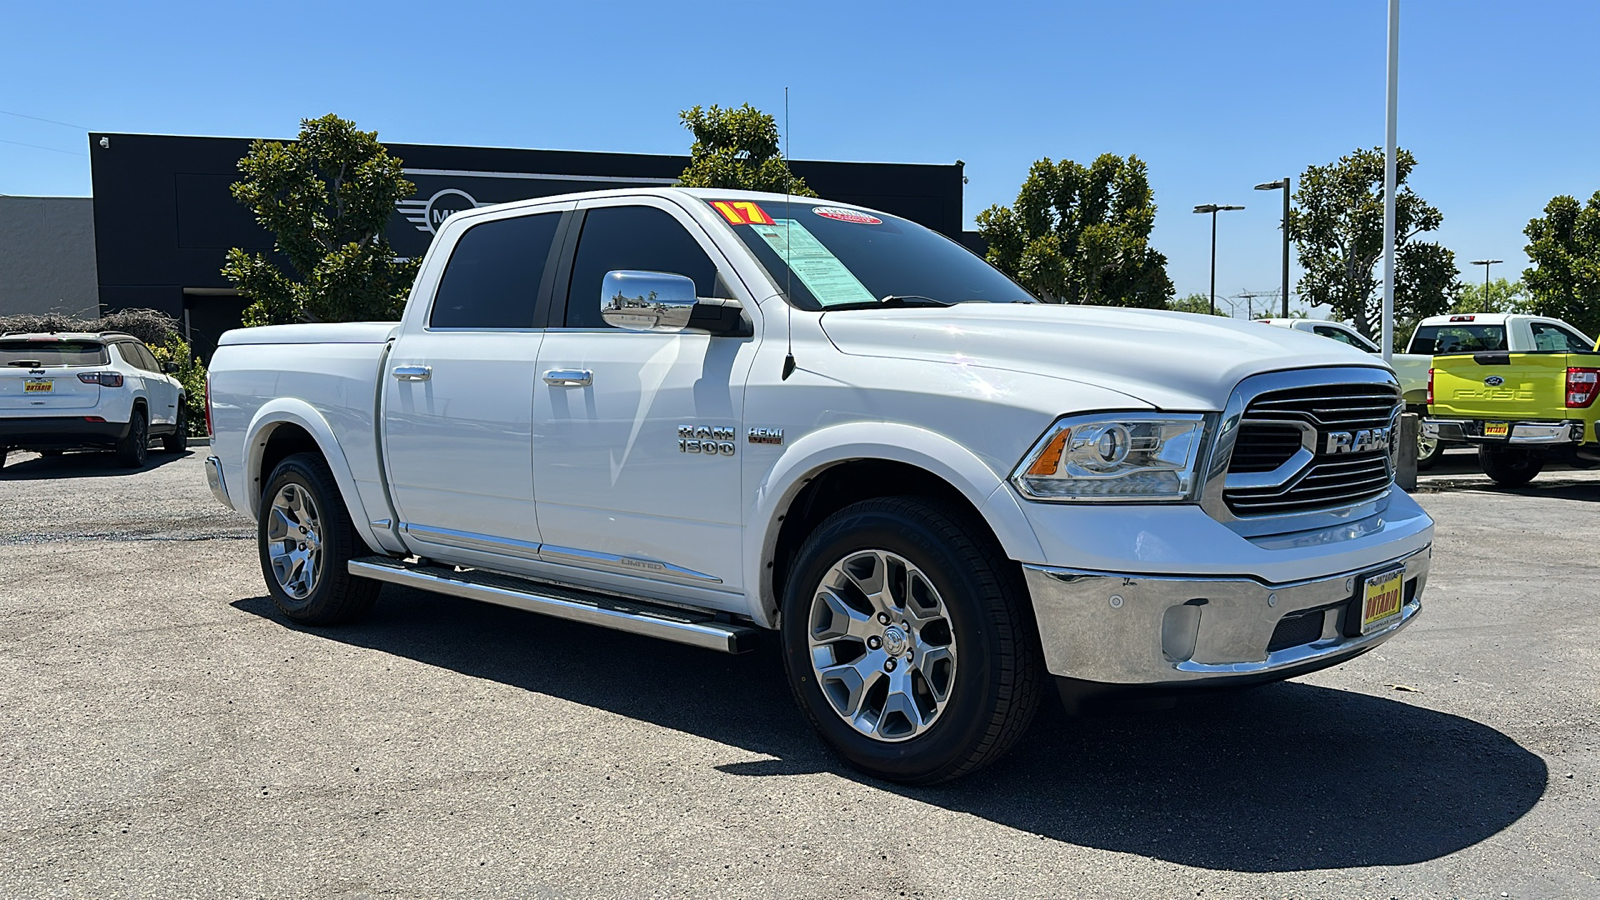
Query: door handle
x=569, y=377
x=413, y=373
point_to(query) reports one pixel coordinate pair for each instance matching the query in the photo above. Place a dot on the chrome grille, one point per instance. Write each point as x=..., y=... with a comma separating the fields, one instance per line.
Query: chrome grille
x=1278, y=424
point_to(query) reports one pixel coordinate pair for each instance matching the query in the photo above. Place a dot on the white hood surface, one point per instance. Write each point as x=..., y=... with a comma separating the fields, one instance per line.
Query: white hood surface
x=1175, y=361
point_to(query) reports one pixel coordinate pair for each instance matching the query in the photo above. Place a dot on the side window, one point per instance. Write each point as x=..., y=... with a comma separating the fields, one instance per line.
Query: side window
x=1547, y=336
x=631, y=237
x=134, y=354
x=492, y=278
x=1336, y=334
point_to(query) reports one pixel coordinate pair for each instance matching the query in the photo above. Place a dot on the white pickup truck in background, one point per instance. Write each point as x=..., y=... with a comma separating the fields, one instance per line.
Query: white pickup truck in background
x=703, y=414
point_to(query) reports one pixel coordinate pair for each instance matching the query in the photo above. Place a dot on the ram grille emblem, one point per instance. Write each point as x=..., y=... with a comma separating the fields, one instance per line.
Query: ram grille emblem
x=1339, y=442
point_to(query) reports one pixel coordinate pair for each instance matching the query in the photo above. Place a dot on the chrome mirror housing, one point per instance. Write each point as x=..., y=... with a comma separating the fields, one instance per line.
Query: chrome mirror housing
x=647, y=301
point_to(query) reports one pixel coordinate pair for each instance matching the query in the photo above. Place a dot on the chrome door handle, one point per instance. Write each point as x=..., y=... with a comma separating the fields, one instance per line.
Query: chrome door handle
x=569, y=377
x=413, y=373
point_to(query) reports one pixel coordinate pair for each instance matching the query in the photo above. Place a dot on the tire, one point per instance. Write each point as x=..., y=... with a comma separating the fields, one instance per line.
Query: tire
x=1429, y=450
x=133, y=449
x=178, y=440
x=1508, y=466
x=974, y=639
x=310, y=580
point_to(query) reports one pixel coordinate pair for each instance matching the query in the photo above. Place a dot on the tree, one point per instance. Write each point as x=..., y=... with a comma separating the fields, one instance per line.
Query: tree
x=1502, y=296
x=1081, y=234
x=1194, y=303
x=1564, y=247
x=326, y=198
x=1338, y=232
x=737, y=149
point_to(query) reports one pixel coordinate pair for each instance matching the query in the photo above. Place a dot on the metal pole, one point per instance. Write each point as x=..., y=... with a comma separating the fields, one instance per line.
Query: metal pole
x=1389, y=181
x=1213, y=262
x=1485, y=302
x=1286, y=246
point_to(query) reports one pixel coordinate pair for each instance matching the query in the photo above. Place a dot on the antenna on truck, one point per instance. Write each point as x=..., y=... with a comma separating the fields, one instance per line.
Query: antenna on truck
x=788, y=267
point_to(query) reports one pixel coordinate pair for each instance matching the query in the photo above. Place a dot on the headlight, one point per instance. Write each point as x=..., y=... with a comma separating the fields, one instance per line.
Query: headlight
x=1114, y=456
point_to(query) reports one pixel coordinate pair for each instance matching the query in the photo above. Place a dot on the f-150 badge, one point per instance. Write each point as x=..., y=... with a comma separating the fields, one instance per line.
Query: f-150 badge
x=705, y=439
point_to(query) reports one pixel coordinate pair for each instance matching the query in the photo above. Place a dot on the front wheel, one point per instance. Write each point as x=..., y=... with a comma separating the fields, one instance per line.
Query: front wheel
x=306, y=543
x=1428, y=450
x=908, y=640
x=1509, y=466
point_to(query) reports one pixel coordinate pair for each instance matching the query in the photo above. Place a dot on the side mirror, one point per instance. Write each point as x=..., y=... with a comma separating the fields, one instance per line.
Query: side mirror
x=171, y=368
x=664, y=303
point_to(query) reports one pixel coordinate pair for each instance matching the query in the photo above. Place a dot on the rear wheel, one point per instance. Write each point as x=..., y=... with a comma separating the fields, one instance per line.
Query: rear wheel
x=134, y=447
x=1510, y=466
x=178, y=440
x=908, y=641
x=306, y=543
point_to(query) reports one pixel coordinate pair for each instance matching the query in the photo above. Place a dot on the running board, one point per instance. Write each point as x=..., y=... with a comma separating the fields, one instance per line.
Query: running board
x=636, y=616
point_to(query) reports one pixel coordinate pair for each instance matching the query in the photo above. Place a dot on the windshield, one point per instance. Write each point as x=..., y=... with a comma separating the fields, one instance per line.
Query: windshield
x=843, y=258
x=1435, y=339
x=51, y=352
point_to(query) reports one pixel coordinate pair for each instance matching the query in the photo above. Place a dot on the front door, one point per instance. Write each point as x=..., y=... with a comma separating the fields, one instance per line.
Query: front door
x=637, y=434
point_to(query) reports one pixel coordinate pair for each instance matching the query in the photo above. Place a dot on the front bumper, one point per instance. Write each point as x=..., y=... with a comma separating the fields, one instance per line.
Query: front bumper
x=1564, y=433
x=58, y=432
x=1134, y=629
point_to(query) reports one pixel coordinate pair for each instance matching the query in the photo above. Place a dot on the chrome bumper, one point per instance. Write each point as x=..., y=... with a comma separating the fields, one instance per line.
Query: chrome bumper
x=1523, y=433
x=1129, y=629
x=219, y=487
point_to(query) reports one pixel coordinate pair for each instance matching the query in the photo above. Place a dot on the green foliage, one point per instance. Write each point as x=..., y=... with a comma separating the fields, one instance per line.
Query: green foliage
x=1502, y=297
x=159, y=332
x=326, y=198
x=737, y=149
x=1081, y=234
x=1194, y=303
x=1564, y=246
x=1338, y=231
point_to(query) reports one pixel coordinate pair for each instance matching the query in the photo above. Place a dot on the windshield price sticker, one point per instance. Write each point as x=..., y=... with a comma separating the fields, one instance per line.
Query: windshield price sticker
x=741, y=212
x=840, y=214
x=817, y=268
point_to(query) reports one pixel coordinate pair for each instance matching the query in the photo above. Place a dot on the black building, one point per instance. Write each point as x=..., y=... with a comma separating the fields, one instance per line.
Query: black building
x=164, y=218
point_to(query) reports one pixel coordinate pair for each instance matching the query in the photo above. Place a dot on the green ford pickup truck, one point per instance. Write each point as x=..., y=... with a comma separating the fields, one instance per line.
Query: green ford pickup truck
x=1521, y=409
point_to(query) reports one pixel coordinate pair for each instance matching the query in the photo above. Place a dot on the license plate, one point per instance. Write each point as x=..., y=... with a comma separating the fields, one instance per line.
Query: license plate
x=38, y=387
x=1496, y=429
x=1380, y=601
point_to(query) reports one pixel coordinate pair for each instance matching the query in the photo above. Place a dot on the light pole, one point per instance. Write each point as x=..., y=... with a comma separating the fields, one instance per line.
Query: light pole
x=1272, y=186
x=1213, y=209
x=1486, y=263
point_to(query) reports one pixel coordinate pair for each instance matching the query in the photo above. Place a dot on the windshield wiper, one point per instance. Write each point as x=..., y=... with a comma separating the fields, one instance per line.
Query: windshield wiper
x=893, y=301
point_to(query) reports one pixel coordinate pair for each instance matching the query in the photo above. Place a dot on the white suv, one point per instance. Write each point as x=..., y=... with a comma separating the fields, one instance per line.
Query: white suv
x=67, y=390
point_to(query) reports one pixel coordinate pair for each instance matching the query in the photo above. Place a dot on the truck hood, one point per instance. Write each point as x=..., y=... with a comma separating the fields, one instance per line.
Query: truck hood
x=1170, y=360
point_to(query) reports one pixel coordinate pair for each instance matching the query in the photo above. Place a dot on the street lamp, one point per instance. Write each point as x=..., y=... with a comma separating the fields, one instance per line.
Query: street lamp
x=1486, y=263
x=1272, y=186
x=1213, y=209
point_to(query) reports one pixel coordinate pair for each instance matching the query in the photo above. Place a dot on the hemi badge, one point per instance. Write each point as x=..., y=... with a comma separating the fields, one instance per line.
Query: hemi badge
x=766, y=435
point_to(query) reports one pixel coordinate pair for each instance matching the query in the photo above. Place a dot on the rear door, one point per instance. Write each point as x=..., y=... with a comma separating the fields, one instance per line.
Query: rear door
x=458, y=395
x=39, y=376
x=161, y=396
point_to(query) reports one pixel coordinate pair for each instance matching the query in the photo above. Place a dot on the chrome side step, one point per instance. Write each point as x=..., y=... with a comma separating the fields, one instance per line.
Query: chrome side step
x=636, y=616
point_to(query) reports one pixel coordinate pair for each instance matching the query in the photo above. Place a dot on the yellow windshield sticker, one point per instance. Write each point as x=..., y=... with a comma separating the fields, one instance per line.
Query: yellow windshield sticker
x=817, y=268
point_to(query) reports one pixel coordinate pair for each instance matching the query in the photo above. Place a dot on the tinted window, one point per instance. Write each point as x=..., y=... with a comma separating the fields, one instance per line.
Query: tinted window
x=844, y=258
x=1434, y=339
x=492, y=279
x=632, y=237
x=1547, y=336
x=53, y=353
x=1334, y=333
x=135, y=355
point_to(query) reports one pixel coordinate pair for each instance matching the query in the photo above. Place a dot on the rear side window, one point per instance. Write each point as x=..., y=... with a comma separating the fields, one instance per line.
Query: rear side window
x=53, y=353
x=632, y=237
x=137, y=356
x=492, y=278
x=1547, y=336
x=1435, y=339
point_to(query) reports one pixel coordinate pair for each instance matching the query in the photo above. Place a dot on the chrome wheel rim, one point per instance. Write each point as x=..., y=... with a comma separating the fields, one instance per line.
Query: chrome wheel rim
x=294, y=541
x=882, y=646
x=1426, y=445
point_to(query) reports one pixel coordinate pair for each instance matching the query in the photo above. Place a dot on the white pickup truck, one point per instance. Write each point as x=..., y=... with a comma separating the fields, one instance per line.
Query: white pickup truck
x=704, y=414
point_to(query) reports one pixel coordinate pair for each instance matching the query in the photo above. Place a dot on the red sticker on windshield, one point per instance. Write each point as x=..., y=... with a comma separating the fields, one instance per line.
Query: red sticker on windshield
x=841, y=214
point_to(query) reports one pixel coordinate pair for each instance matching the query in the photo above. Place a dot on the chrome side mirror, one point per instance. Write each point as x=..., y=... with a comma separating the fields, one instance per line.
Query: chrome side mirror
x=647, y=301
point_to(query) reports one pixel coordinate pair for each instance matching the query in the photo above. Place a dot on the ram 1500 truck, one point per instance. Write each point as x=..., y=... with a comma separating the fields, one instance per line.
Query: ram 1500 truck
x=705, y=414
x=1521, y=409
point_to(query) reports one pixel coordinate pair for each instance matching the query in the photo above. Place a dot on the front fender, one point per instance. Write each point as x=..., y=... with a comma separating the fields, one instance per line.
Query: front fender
x=292, y=411
x=935, y=453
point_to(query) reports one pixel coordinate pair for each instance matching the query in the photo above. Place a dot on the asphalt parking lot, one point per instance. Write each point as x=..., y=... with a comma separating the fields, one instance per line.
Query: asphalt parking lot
x=164, y=733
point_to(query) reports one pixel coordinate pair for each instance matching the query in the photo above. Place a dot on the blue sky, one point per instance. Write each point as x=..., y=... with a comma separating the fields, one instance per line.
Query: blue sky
x=1498, y=100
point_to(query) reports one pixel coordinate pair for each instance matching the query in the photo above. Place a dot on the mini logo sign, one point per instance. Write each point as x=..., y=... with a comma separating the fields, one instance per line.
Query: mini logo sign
x=1338, y=442
x=839, y=213
x=766, y=435
x=429, y=214
x=706, y=439
x=1494, y=381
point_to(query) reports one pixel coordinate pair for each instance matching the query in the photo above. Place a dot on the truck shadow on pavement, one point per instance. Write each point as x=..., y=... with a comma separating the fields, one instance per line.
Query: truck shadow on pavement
x=1285, y=777
x=82, y=464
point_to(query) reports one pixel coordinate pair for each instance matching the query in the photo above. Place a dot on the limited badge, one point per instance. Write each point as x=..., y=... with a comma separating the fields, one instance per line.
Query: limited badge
x=840, y=214
x=742, y=212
